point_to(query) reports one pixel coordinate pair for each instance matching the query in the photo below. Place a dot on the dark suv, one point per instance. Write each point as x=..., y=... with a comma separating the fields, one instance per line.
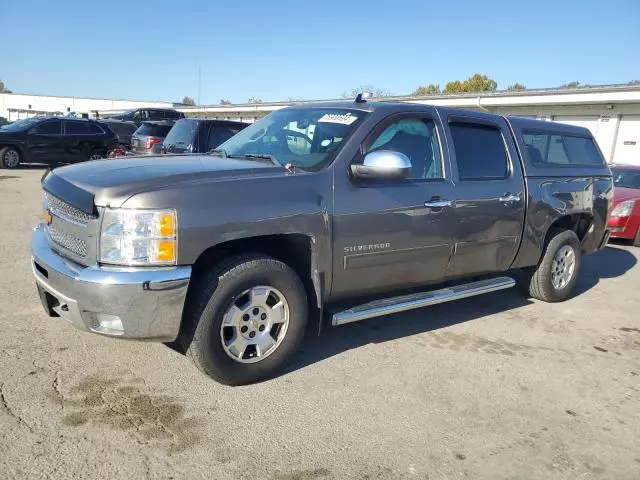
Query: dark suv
x=195, y=135
x=139, y=115
x=147, y=139
x=123, y=130
x=54, y=140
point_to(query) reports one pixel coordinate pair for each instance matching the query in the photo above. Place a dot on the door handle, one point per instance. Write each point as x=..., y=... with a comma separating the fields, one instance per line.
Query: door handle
x=438, y=203
x=509, y=198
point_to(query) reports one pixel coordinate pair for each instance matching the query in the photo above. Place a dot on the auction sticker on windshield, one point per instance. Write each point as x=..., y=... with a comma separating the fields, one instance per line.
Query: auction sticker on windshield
x=344, y=119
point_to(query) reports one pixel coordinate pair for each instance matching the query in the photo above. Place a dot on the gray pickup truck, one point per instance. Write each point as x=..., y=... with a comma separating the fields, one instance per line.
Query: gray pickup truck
x=340, y=210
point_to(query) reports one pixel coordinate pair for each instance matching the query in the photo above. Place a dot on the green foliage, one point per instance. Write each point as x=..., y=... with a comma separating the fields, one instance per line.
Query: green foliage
x=3, y=121
x=224, y=102
x=188, y=101
x=2, y=89
x=516, y=87
x=475, y=83
x=575, y=84
x=431, y=89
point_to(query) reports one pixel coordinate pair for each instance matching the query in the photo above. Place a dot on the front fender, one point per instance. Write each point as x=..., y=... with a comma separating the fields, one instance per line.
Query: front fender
x=215, y=212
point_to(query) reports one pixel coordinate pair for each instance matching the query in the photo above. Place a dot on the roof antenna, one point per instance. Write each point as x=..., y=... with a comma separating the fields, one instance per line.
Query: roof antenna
x=362, y=97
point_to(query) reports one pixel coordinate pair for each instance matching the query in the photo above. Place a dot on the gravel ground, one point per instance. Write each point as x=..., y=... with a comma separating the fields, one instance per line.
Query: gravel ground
x=493, y=387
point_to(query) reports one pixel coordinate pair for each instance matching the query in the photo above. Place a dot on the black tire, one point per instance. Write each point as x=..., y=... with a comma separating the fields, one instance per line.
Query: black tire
x=7, y=154
x=215, y=292
x=538, y=280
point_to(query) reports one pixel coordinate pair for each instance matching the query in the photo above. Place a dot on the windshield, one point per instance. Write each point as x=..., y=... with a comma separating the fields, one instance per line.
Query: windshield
x=308, y=138
x=626, y=178
x=21, y=124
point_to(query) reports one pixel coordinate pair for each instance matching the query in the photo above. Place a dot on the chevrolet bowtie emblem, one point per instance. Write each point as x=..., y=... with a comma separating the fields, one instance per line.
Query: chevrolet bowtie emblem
x=48, y=218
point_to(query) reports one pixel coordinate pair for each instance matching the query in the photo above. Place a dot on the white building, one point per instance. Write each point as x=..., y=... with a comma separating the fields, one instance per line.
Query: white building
x=14, y=106
x=612, y=113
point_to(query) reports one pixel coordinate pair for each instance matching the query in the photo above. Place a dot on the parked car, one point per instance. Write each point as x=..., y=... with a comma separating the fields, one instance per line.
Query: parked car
x=147, y=139
x=318, y=208
x=54, y=140
x=139, y=115
x=624, y=220
x=123, y=130
x=196, y=135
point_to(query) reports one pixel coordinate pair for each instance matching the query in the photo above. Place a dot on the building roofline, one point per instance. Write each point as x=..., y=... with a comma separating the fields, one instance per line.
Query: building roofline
x=87, y=98
x=440, y=96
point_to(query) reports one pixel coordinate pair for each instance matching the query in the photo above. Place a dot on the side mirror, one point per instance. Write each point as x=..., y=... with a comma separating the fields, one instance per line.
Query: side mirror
x=383, y=165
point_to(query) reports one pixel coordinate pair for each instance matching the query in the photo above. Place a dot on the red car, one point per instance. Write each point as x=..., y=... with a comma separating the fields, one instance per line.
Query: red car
x=624, y=220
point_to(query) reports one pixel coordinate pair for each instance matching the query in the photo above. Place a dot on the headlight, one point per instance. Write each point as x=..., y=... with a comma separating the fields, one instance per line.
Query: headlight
x=623, y=209
x=139, y=237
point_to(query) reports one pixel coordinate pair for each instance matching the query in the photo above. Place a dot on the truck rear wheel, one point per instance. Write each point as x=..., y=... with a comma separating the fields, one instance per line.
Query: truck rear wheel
x=247, y=317
x=556, y=274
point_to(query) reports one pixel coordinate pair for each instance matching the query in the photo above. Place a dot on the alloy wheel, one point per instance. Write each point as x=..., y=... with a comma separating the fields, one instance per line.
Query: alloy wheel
x=255, y=324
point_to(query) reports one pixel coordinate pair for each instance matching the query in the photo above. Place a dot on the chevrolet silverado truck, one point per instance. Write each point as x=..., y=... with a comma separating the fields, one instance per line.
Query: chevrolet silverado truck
x=339, y=210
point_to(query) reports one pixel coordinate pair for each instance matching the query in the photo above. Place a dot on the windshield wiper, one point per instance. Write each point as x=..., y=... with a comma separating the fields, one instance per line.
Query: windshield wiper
x=258, y=156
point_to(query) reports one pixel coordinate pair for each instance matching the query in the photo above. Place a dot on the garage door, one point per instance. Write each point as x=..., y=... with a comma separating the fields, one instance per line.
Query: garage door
x=586, y=121
x=628, y=141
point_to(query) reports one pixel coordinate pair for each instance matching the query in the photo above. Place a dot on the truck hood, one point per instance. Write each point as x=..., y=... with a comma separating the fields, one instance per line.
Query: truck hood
x=112, y=182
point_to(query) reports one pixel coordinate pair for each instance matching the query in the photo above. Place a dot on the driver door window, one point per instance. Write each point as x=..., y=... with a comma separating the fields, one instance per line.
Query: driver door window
x=417, y=138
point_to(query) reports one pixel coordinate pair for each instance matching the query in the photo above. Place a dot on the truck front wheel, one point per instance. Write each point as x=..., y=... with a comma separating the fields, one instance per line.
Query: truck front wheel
x=247, y=316
x=556, y=274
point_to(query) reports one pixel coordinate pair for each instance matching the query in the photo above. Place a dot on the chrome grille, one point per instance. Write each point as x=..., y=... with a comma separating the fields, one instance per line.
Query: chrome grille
x=66, y=212
x=67, y=241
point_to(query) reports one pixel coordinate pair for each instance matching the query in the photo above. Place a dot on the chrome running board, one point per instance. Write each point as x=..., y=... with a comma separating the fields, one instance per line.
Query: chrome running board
x=387, y=306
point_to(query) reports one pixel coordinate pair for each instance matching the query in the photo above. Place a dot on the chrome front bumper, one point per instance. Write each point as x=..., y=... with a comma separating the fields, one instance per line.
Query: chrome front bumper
x=133, y=303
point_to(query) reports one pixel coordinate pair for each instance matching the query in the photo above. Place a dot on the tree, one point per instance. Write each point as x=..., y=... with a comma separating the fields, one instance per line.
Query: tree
x=188, y=101
x=574, y=84
x=475, y=83
x=224, y=102
x=2, y=89
x=374, y=91
x=431, y=89
x=516, y=87
x=254, y=100
x=634, y=82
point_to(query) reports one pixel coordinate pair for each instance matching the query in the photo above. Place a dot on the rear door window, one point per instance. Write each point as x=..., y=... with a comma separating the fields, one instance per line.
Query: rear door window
x=480, y=151
x=561, y=150
x=76, y=128
x=218, y=134
x=52, y=127
x=157, y=114
x=95, y=129
x=171, y=114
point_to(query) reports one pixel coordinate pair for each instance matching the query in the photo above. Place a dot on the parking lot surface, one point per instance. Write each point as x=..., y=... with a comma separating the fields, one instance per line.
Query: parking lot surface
x=494, y=387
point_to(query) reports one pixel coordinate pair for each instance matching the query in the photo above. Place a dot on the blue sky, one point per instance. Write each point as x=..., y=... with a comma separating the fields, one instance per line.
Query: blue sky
x=313, y=49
